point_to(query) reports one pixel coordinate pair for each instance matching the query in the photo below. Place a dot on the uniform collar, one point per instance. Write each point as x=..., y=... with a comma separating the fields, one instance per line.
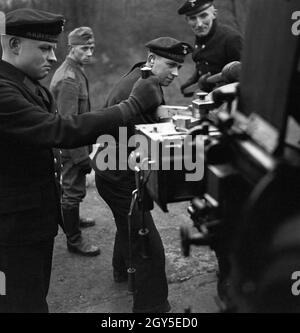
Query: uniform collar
x=74, y=63
x=30, y=84
x=138, y=65
x=36, y=88
x=11, y=72
x=135, y=67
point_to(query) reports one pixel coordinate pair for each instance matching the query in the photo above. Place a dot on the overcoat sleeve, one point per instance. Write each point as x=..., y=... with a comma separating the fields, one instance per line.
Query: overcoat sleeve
x=26, y=123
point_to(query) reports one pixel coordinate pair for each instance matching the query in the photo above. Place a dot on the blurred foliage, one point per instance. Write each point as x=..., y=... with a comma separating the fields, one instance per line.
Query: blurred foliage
x=122, y=27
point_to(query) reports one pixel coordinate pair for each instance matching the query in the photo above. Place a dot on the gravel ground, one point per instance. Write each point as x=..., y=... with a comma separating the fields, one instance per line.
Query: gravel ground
x=85, y=285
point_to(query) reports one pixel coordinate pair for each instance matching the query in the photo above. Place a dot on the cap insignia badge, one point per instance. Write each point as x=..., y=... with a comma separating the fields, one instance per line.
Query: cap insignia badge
x=192, y=2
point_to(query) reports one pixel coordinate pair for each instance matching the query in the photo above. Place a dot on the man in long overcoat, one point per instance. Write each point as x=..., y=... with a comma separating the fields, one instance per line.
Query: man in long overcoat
x=30, y=128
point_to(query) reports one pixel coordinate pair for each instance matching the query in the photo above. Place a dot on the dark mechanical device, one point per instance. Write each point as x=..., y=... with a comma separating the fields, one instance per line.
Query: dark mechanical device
x=250, y=132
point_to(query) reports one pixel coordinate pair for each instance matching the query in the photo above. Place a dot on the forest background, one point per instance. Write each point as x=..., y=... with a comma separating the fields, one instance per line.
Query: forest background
x=122, y=28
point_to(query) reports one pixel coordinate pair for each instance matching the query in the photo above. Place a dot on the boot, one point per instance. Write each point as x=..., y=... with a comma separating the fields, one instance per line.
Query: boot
x=75, y=242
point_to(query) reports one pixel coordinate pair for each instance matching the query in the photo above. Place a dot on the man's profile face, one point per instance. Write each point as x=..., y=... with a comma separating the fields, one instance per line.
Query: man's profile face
x=83, y=53
x=165, y=69
x=36, y=58
x=201, y=23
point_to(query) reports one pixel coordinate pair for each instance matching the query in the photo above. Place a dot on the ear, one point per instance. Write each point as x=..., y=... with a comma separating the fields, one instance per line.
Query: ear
x=70, y=49
x=151, y=59
x=215, y=12
x=15, y=45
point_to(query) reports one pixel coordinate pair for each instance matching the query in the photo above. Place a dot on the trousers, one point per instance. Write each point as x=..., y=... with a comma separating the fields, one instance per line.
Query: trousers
x=151, y=281
x=27, y=271
x=73, y=185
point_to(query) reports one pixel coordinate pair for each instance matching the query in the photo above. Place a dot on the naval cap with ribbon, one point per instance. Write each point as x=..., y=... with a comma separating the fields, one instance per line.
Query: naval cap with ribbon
x=169, y=48
x=192, y=7
x=34, y=24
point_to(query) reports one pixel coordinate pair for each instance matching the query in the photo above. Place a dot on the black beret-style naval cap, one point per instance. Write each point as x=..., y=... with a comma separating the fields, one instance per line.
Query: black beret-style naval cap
x=169, y=48
x=34, y=24
x=192, y=7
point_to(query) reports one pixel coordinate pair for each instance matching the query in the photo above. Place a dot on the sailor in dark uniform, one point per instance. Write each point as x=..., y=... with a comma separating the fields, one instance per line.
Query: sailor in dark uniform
x=30, y=128
x=165, y=57
x=216, y=44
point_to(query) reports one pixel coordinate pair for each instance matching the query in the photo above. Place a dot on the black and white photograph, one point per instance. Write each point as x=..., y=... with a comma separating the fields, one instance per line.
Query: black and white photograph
x=149, y=159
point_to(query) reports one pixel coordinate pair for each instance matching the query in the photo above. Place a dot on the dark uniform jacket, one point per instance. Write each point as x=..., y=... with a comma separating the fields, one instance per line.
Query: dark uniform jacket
x=211, y=53
x=119, y=93
x=69, y=86
x=29, y=129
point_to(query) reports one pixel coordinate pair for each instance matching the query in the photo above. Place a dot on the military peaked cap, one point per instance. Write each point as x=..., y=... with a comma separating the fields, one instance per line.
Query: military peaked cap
x=192, y=7
x=169, y=48
x=81, y=36
x=34, y=24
